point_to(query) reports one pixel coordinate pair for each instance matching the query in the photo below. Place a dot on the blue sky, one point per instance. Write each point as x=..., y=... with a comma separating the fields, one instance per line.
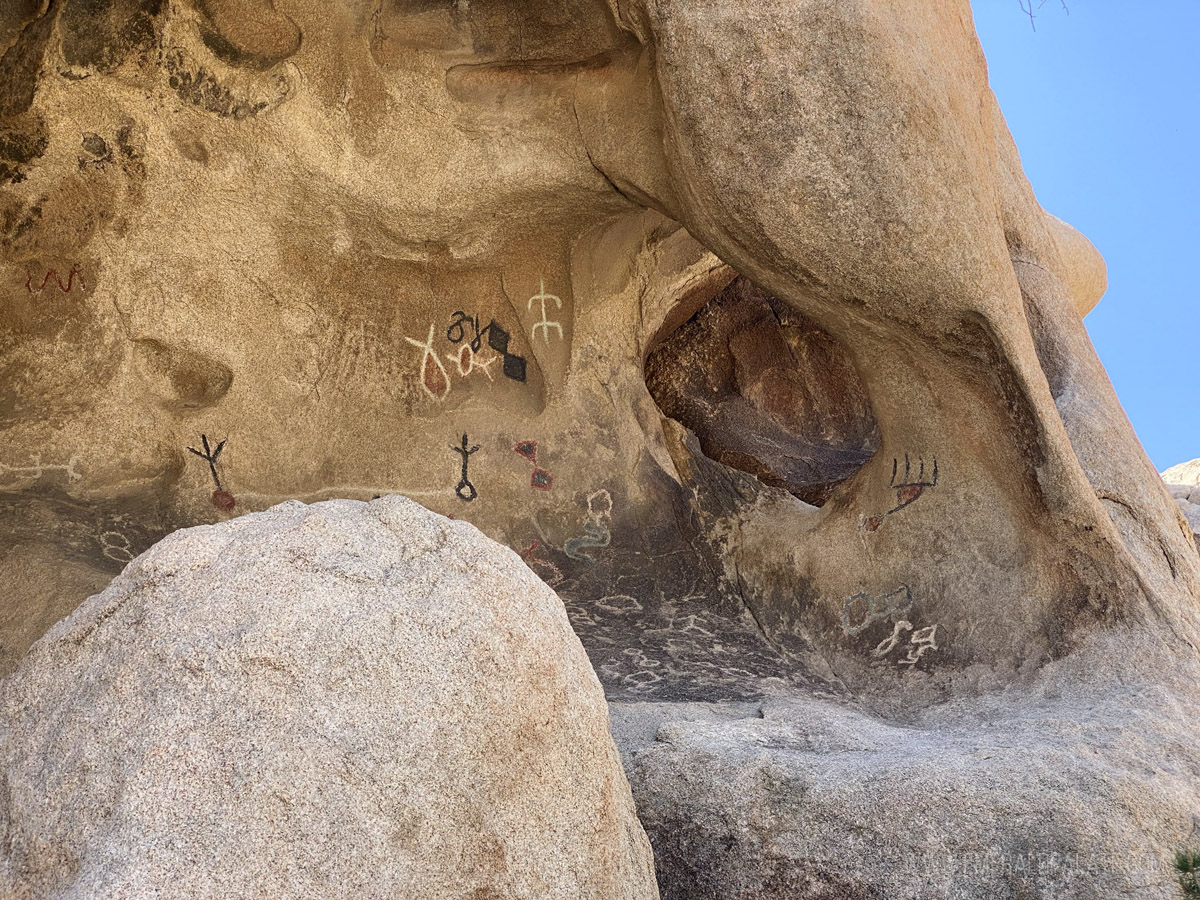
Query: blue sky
x=1104, y=103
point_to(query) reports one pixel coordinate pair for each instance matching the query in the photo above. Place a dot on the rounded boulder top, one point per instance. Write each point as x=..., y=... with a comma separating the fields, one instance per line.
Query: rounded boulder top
x=339, y=700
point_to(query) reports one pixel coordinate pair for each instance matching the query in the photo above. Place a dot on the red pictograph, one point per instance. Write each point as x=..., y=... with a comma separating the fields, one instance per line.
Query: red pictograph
x=542, y=568
x=53, y=273
x=540, y=480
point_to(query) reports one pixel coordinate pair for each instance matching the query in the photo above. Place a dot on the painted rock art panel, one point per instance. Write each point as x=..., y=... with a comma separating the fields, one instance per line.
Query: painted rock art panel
x=221, y=498
x=489, y=271
x=782, y=388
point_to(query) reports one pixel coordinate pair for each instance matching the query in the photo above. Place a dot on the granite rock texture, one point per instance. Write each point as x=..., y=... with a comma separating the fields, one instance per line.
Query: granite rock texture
x=338, y=700
x=470, y=252
x=1187, y=473
x=1187, y=498
x=1071, y=786
x=1183, y=483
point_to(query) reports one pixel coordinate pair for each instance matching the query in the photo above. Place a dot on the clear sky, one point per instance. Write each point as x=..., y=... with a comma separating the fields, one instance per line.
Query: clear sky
x=1104, y=103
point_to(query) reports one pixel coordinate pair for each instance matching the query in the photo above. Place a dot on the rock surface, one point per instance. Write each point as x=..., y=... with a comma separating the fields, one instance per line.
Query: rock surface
x=342, y=700
x=1191, y=512
x=439, y=251
x=767, y=392
x=1187, y=473
x=1070, y=787
x=1183, y=483
x=1187, y=498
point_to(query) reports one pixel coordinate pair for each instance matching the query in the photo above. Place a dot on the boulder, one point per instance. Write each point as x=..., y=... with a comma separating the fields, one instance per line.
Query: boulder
x=338, y=700
x=1183, y=484
x=1065, y=788
x=1187, y=473
x=1191, y=512
x=1189, y=505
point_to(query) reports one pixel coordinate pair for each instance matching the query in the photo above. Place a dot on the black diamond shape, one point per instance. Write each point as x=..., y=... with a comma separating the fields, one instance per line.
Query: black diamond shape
x=514, y=367
x=498, y=341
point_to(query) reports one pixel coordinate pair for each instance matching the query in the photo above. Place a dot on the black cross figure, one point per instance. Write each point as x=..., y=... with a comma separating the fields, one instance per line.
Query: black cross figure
x=211, y=457
x=465, y=490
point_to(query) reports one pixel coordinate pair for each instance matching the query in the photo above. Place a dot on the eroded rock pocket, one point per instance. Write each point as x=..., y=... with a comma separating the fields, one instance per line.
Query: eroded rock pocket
x=766, y=391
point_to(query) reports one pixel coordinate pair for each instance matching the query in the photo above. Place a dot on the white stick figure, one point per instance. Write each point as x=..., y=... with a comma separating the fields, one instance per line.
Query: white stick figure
x=545, y=324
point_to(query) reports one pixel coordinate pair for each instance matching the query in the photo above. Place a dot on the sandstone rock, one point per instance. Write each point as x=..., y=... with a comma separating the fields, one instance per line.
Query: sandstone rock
x=1187, y=473
x=343, y=700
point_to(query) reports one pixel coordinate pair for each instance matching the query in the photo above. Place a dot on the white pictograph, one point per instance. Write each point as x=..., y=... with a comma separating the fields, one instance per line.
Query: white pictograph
x=435, y=382
x=596, y=528
x=116, y=546
x=545, y=324
x=37, y=469
x=921, y=642
x=484, y=363
x=887, y=645
x=468, y=360
x=620, y=603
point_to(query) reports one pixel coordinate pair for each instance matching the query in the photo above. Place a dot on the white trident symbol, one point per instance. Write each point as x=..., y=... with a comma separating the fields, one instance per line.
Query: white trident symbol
x=545, y=324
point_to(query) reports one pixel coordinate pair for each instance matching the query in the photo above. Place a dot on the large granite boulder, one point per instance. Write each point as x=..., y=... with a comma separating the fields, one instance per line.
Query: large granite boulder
x=1187, y=498
x=1185, y=473
x=1072, y=786
x=1183, y=483
x=342, y=700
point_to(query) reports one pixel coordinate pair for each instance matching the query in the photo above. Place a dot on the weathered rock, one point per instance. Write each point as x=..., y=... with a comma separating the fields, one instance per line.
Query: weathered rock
x=1183, y=484
x=343, y=700
x=430, y=248
x=766, y=391
x=1187, y=498
x=1187, y=473
x=351, y=249
x=1066, y=788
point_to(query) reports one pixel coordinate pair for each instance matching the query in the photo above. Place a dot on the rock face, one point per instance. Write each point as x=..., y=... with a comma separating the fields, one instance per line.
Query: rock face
x=767, y=392
x=1074, y=787
x=1187, y=498
x=1187, y=473
x=1183, y=482
x=343, y=700
x=747, y=333
x=251, y=253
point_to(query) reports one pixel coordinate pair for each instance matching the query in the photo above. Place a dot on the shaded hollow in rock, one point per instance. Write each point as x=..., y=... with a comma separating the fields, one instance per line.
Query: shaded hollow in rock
x=766, y=391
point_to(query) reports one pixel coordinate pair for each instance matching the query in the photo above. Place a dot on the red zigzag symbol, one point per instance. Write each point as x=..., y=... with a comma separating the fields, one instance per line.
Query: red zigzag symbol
x=53, y=273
